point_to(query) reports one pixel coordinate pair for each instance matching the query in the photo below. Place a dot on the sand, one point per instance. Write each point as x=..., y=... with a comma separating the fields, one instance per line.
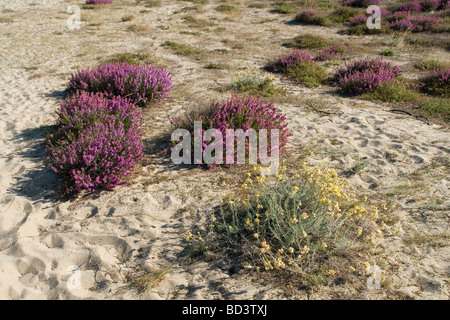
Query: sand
x=92, y=246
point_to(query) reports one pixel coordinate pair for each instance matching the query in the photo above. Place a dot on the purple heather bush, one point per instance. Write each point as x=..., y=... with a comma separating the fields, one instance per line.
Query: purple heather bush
x=97, y=142
x=330, y=53
x=312, y=17
x=360, y=3
x=363, y=76
x=398, y=15
x=414, y=23
x=238, y=113
x=412, y=6
x=98, y=1
x=437, y=82
x=360, y=19
x=141, y=84
x=281, y=64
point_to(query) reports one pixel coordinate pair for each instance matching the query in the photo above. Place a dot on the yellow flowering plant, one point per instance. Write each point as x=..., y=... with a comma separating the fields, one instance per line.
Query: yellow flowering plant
x=293, y=221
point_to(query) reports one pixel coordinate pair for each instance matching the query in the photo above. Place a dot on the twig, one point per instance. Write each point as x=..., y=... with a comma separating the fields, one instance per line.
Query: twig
x=410, y=114
x=326, y=112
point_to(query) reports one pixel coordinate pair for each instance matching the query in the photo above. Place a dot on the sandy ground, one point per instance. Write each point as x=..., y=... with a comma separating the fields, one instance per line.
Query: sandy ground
x=106, y=238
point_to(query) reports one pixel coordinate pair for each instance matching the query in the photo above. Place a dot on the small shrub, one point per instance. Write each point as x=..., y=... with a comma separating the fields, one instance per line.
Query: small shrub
x=387, y=52
x=127, y=18
x=97, y=143
x=285, y=8
x=344, y=14
x=431, y=64
x=237, y=113
x=180, y=49
x=137, y=28
x=437, y=82
x=307, y=73
x=130, y=58
x=300, y=67
x=415, y=23
x=226, y=8
x=307, y=41
x=143, y=85
x=363, y=76
x=412, y=6
x=393, y=92
x=313, y=18
x=98, y=1
x=254, y=83
x=359, y=19
x=300, y=223
x=281, y=64
x=152, y=3
x=439, y=108
x=330, y=53
x=216, y=66
x=362, y=29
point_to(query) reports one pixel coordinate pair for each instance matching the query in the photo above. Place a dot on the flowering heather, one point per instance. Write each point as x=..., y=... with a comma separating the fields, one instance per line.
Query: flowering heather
x=330, y=53
x=98, y=1
x=430, y=5
x=415, y=23
x=97, y=143
x=437, y=82
x=365, y=75
x=412, y=6
x=398, y=15
x=141, y=84
x=360, y=19
x=360, y=3
x=238, y=113
x=281, y=64
x=312, y=17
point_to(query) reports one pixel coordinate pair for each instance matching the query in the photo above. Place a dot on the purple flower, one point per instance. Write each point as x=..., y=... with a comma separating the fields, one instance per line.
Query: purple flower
x=238, y=113
x=366, y=75
x=281, y=64
x=412, y=6
x=437, y=82
x=97, y=143
x=141, y=84
x=358, y=19
x=413, y=23
x=330, y=53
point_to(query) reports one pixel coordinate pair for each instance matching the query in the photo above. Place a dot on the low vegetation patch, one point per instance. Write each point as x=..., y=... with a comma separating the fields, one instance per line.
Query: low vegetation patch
x=305, y=223
x=234, y=113
x=362, y=76
x=180, y=48
x=313, y=18
x=300, y=67
x=307, y=41
x=395, y=91
x=142, y=85
x=437, y=82
x=254, y=82
x=97, y=143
